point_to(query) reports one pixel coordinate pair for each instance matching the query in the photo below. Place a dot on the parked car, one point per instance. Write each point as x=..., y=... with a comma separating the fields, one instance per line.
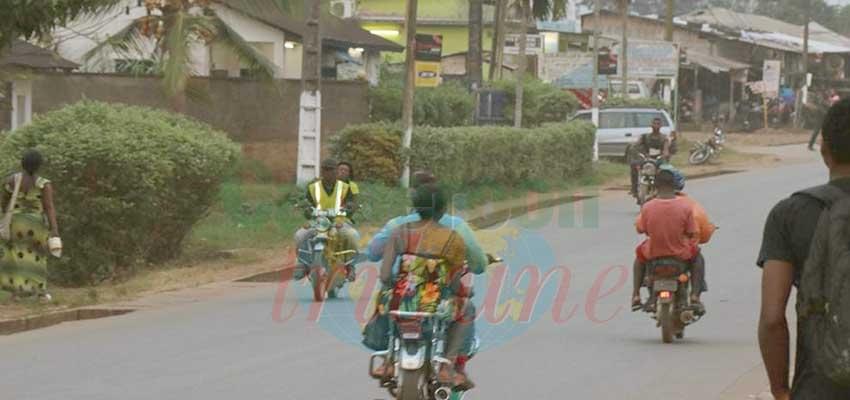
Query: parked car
x=621, y=127
x=637, y=89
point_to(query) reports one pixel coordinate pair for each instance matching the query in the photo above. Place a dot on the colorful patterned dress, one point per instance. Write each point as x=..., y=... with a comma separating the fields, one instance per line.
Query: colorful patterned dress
x=23, y=260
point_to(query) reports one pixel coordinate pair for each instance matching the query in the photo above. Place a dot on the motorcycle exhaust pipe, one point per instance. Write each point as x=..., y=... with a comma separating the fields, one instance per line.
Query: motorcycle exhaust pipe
x=443, y=393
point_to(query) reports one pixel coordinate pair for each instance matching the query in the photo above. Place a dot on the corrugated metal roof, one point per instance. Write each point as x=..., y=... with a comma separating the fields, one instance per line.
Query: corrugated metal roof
x=715, y=63
x=772, y=33
x=23, y=54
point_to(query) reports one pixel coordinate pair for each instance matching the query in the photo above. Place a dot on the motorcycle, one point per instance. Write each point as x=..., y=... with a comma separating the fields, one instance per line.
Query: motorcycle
x=416, y=349
x=647, y=167
x=670, y=291
x=329, y=263
x=705, y=151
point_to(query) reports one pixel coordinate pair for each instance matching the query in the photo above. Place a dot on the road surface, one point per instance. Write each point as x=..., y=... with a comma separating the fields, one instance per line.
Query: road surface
x=230, y=346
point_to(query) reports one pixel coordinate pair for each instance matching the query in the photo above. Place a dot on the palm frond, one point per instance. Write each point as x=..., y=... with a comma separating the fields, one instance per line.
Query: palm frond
x=256, y=61
x=128, y=42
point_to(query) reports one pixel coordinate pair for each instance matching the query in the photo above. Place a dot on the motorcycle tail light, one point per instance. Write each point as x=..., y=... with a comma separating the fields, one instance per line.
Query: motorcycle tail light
x=665, y=295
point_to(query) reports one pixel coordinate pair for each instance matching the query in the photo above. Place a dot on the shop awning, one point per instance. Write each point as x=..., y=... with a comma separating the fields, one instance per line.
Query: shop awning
x=715, y=64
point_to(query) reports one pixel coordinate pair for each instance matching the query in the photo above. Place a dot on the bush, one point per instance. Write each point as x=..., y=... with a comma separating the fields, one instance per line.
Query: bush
x=446, y=105
x=542, y=102
x=620, y=101
x=473, y=155
x=130, y=182
x=373, y=149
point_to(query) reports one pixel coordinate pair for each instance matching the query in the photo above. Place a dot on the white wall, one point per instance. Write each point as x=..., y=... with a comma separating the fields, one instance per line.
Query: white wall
x=252, y=31
x=83, y=35
x=21, y=103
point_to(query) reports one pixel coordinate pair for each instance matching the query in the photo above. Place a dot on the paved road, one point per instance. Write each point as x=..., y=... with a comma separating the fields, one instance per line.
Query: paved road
x=229, y=347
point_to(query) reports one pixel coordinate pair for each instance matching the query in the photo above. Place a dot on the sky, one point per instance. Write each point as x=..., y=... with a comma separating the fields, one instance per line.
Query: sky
x=841, y=2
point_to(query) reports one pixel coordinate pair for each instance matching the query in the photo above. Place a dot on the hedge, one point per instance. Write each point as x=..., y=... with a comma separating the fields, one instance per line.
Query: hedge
x=471, y=155
x=130, y=183
x=542, y=102
x=449, y=104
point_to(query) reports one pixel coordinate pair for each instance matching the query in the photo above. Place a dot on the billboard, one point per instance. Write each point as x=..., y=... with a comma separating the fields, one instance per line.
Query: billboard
x=652, y=59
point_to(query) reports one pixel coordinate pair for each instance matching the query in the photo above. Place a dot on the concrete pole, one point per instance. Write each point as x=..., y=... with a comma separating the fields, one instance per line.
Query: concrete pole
x=409, y=87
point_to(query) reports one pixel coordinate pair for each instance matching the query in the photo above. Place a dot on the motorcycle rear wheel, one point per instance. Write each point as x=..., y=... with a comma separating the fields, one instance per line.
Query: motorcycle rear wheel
x=412, y=382
x=699, y=156
x=668, y=326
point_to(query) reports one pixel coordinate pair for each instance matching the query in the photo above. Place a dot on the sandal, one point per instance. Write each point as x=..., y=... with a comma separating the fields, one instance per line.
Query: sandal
x=636, y=303
x=458, y=380
x=699, y=308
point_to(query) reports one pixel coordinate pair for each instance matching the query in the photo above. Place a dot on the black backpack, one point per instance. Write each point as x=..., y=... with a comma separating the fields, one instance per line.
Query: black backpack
x=824, y=297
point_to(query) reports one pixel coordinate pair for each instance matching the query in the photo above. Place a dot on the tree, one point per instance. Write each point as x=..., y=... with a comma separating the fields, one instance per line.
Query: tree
x=473, y=56
x=23, y=19
x=174, y=26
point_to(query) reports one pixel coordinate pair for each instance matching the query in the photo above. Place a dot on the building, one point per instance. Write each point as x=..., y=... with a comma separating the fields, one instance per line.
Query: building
x=349, y=52
x=18, y=62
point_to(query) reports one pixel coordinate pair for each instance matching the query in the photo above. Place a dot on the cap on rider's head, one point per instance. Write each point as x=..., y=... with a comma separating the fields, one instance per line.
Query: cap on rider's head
x=678, y=177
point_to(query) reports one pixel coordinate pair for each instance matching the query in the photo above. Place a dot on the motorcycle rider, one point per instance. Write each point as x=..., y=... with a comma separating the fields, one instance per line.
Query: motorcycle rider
x=672, y=230
x=345, y=173
x=653, y=144
x=327, y=193
x=461, y=331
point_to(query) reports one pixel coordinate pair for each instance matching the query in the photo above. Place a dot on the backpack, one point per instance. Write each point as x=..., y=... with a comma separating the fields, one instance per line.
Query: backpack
x=824, y=296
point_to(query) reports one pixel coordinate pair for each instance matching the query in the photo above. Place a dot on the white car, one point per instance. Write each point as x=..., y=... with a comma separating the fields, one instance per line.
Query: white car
x=621, y=127
x=637, y=89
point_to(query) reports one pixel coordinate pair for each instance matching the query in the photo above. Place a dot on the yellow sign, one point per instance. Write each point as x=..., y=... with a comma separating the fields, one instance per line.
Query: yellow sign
x=427, y=74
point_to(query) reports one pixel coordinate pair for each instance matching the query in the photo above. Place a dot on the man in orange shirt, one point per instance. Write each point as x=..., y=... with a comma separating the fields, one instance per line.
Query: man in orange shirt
x=671, y=224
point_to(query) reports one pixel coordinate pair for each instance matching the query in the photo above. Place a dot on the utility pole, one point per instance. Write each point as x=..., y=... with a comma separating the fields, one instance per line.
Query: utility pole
x=474, y=74
x=668, y=32
x=497, y=55
x=624, y=63
x=409, y=87
x=523, y=61
x=597, y=6
x=310, y=113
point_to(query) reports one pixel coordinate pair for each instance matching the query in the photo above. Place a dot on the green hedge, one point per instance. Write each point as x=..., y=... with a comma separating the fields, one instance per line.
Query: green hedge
x=449, y=104
x=472, y=155
x=130, y=181
x=542, y=102
x=373, y=149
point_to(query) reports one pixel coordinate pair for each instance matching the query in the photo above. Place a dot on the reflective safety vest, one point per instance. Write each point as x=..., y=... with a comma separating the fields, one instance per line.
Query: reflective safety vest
x=328, y=201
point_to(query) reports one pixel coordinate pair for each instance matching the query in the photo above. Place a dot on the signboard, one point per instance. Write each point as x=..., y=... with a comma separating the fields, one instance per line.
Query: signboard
x=651, y=59
x=607, y=61
x=771, y=76
x=757, y=87
x=428, y=56
x=534, y=44
x=558, y=65
x=427, y=74
x=429, y=47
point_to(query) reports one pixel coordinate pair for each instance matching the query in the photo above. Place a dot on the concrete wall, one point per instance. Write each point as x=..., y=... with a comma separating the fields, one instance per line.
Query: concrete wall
x=261, y=116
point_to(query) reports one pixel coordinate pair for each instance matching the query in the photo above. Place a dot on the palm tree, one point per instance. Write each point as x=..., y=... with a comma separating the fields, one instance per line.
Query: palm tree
x=542, y=9
x=173, y=27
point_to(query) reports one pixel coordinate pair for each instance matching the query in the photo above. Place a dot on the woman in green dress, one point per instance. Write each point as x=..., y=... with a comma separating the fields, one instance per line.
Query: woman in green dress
x=23, y=259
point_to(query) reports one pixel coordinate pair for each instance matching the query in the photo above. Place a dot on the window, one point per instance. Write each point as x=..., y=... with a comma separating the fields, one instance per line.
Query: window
x=583, y=117
x=614, y=120
x=644, y=119
x=618, y=88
